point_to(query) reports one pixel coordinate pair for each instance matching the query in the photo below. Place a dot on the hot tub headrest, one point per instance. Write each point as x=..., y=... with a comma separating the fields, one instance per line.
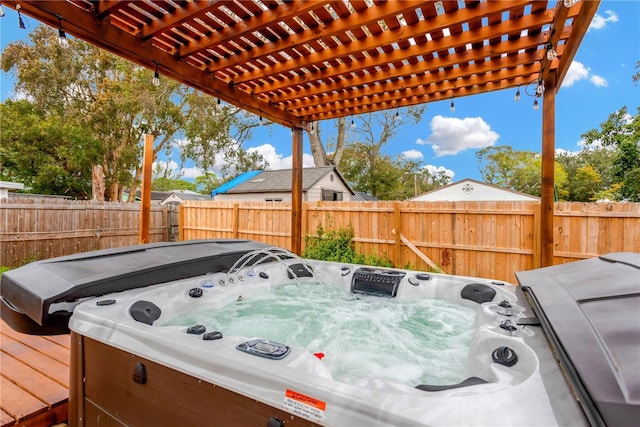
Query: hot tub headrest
x=478, y=292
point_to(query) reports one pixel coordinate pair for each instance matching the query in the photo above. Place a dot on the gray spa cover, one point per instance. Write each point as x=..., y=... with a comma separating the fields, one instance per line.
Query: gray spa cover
x=590, y=311
x=28, y=292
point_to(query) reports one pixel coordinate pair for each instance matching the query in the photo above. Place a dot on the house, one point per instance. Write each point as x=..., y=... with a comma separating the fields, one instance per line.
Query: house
x=156, y=196
x=469, y=190
x=323, y=183
x=5, y=186
x=359, y=196
x=179, y=196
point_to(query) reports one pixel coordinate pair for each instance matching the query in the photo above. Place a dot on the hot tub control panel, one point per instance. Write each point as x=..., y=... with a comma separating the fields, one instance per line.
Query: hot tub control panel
x=264, y=348
x=373, y=281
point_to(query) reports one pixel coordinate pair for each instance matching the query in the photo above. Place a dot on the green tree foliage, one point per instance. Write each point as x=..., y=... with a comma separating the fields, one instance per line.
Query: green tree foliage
x=621, y=133
x=114, y=102
x=588, y=172
x=366, y=167
x=167, y=184
x=43, y=151
x=517, y=170
x=338, y=246
x=208, y=182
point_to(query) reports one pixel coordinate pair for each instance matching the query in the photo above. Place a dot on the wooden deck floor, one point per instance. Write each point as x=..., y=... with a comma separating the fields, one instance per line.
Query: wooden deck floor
x=34, y=375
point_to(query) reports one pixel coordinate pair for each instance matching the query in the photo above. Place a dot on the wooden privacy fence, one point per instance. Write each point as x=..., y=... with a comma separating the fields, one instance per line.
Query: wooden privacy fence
x=483, y=239
x=33, y=229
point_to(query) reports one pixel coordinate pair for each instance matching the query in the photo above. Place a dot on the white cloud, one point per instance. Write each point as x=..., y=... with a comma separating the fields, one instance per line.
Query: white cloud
x=435, y=170
x=184, y=173
x=189, y=173
x=578, y=71
x=277, y=160
x=599, y=22
x=412, y=154
x=451, y=135
x=598, y=81
x=170, y=165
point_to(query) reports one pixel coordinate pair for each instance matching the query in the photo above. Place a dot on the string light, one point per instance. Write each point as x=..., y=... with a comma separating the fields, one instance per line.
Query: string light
x=20, y=21
x=62, y=36
x=353, y=124
x=397, y=116
x=156, y=76
x=218, y=101
x=260, y=120
x=551, y=52
x=517, y=97
x=569, y=3
x=452, y=107
x=535, y=104
x=540, y=88
x=1, y=11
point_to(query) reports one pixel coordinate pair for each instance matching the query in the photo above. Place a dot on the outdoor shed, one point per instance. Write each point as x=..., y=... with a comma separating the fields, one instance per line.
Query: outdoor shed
x=323, y=183
x=179, y=196
x=470, y=190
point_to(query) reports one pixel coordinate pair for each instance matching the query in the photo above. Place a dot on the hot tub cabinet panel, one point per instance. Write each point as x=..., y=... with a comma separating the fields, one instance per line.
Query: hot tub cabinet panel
x=111, y=392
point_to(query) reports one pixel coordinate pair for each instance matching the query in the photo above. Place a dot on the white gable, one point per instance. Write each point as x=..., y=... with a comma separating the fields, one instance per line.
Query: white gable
x=469, y=190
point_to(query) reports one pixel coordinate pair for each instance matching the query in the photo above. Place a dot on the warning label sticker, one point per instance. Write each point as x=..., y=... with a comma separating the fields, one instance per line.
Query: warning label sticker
x=304, y=406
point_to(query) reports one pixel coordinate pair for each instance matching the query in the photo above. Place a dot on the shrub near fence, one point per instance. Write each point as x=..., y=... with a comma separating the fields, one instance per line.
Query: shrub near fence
x=33, y=229
x=483, y=239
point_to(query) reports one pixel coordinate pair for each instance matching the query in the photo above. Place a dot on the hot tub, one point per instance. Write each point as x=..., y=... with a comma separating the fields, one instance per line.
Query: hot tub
x=133, y=364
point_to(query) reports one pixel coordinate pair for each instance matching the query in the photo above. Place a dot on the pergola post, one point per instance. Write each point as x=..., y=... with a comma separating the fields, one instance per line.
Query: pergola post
x=296, y=191
x=145, y=192
x=547, y=198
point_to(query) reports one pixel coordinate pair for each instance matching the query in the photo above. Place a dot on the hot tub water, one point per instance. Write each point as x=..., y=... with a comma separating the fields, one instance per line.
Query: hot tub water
x=417, y=341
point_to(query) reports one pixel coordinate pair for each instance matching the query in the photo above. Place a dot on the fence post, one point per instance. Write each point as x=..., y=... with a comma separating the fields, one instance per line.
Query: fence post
x=305, y=225
x=398, y=223
x=181, y=222
x=537, y=235
x=236, y=220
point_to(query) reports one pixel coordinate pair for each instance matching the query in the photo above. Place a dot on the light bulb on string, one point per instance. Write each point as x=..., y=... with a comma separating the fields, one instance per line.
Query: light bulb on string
x=517, y=97
x=156, y=76
x=62, y=36
x=452, y=107
x=551, y=52
x=20, y=21
x=535, y=105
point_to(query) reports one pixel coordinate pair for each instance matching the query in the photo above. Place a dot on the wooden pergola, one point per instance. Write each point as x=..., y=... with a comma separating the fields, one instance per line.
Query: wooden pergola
x=295, y=62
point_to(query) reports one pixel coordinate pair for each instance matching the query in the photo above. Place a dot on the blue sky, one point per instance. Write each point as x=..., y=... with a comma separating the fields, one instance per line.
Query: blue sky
x=597, y=84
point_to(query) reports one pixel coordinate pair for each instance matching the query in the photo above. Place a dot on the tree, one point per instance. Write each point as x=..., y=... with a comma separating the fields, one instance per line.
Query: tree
x=38, y=150
x=357, y=151
x=115, y=103
x=621, y=133
x=588, y=172
x=167, y=184
x=208, y=182
x=517, y=170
